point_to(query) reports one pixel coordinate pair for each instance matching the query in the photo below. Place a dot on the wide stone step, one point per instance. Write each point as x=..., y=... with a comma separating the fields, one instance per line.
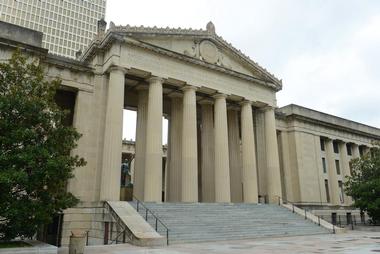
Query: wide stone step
x=239, y=237
x=199, y=222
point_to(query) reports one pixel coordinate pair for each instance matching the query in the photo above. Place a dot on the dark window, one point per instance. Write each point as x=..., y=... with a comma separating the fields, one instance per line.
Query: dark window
x=349, y=218
x=349, y=149
x=324, y=165
x=333, y=218
x=66, y=100
x=372, y=151
x=336, y=146
x=341, y=194
x=362, y=217
x=322, y=144
x=337, y=166
x=361, y=150
x=327, y=191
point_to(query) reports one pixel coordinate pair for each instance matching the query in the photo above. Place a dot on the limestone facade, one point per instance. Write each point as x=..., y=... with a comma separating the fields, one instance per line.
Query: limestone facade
x=228, y=142
x=315, y=152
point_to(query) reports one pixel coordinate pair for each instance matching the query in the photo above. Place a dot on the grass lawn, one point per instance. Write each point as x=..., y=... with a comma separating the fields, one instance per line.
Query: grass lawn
x=15, y=244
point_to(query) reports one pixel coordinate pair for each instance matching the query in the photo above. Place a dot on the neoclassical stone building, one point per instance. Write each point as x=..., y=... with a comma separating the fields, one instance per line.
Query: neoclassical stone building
x=228, y=141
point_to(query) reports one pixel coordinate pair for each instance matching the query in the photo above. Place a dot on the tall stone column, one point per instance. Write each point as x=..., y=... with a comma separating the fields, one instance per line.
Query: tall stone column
x=234, y=155
x=113, y=134
x=273, y=161
x=222, y=169
x=355, y=151
x=175, y=150
x=139, y=172
x=189, y=146
x=153, y=154
x=333, y=178
x=82, y=185
x=207, y=140
x=249, y=174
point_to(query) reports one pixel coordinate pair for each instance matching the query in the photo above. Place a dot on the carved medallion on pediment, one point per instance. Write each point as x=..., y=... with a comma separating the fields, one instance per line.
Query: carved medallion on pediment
x=209, y=52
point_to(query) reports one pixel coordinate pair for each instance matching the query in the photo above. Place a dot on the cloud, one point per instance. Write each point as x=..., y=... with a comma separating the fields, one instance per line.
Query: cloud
x=341, y=80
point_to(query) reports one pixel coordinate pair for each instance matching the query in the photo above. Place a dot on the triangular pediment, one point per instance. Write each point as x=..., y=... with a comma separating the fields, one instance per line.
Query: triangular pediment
x=201, y=45
x=205, y=49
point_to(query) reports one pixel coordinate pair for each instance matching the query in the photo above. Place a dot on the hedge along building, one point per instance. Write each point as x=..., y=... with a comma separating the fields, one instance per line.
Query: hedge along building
x=227, y=143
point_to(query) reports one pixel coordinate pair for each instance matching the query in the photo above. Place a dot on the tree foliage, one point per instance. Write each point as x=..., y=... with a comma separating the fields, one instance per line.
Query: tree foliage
x=364, y=183
x=35, y=145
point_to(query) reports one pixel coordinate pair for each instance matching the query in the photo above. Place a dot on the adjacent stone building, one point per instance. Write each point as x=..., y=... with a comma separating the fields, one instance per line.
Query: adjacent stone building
x=228, y=141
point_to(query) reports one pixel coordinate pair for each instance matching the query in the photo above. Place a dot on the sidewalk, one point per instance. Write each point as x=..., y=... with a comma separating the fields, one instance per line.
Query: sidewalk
x=353, y=242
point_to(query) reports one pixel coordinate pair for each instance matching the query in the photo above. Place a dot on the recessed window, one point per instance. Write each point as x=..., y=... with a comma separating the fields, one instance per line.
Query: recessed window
x=324, y=165
x=337, y=166
x=341, y=191
x=336, y=146
x=349, y=149
x=361, y=150
x=322, y=144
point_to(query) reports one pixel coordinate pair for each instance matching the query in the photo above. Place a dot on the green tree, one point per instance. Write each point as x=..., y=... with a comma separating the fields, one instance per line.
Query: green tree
x=35, y=145
x=364, y=183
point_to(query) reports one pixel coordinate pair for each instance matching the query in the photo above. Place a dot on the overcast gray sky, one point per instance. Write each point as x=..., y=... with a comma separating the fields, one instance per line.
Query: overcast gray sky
x=326, y=52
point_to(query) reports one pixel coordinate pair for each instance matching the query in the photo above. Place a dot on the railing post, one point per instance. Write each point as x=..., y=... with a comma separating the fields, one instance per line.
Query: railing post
x=146, y=214
x=352, y=225
x=156, y=223
x=87, y=237
x=319, y=221
x=137, y=206
x=167, y=236
x=106, y=232
x=293, y=207
x=124, y=236
x=104, y=207
x=305, y=214
x=279, y=201
x=333, y=228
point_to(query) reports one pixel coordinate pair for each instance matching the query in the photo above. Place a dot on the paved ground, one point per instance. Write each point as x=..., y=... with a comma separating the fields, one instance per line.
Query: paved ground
x=349, y=243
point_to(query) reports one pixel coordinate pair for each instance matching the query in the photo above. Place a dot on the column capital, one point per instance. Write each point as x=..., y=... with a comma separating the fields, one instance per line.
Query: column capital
x=340, y=141
x=268, y=108
x=117, y=68
x=155, y=80
x=189, y=87
x=245, y=102
x=219, y=96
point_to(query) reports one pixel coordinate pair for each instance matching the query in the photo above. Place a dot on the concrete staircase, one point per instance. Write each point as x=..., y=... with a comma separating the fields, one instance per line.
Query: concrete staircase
x=207, y=222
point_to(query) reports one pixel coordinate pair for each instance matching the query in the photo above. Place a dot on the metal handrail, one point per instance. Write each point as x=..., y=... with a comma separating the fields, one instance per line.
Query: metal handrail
x=284, y=201
x=118, y=221
x=147, y=210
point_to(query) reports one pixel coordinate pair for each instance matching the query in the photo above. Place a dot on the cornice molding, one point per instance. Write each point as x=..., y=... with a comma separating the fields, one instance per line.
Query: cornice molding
x=125, y=33
x=196, y=32
x=331, y=125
